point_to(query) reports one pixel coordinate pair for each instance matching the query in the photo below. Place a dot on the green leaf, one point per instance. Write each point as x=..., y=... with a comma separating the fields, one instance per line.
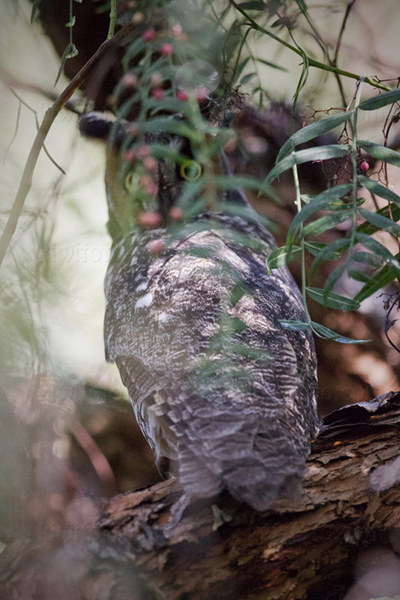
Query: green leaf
x=330, y=252
x=332, y=300
x=233, y=182
x=326, y=222
x=367, y=258
x=310, y=154
x=246, y=212
x=326, y=333
x=340, y=205
x=302, y=6
x=312, y=131
x=282, y=256
x=247, y=78
x=69, y=52
x=320, y=202
x=378, y=249
x=239, y=69
x=334, y=276
x=378, y=189
x=294, y=325
x=381, y=152
x=385, y=276
x=380, y=100
x=71, y=23
x=34, y=9
x=386, y=211
x=380, y=221
x=272, y=65
x=252, y=5
x=358, y=276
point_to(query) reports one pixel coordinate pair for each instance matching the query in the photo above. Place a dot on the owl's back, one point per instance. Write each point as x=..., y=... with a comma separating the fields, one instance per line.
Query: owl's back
x=217, y=384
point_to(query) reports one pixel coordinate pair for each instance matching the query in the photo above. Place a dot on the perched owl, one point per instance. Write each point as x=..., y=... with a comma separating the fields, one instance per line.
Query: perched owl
x=219, y=388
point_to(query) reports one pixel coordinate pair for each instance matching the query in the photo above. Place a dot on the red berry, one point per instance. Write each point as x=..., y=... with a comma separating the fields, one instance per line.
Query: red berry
x=149, y=220
x=158, y=94
x=364, y=166
x=149, y=35
x=167, y=49
x=181, y=95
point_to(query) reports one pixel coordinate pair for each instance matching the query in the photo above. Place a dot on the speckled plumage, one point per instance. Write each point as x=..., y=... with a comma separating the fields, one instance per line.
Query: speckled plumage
x=216, y=383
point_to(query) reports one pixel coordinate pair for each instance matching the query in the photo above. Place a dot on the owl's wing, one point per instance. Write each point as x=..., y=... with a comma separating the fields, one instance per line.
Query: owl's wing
x=216, y=382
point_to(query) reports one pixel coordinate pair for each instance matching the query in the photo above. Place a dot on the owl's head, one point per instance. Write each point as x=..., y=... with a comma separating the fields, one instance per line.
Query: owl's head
x=159, y=170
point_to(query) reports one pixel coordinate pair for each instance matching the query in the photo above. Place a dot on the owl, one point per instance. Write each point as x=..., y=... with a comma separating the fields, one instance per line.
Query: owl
x=224, y=394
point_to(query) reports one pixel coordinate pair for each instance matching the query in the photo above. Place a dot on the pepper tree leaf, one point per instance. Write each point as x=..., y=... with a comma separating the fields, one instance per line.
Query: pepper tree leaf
x=380, y=100
x=312, y=131
x=308, y=155
x=320, y=202
x=381, y=152
x=332, y=300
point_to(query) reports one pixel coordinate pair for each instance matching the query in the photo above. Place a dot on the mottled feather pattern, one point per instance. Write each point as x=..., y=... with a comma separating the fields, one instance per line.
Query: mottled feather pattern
x=216, y=383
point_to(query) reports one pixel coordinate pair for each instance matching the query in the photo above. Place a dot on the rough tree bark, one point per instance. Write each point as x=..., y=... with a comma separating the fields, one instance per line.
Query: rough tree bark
x=303, y=548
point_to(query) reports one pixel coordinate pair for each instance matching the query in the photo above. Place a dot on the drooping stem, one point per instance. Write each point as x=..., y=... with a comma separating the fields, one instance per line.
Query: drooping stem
x=49, y=117
x=302, y=246
x=311, y=61
x=113, y=19
x=354, y=164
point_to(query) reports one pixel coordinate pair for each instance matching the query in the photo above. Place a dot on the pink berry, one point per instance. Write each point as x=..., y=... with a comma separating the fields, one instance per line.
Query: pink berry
x=137, y=18
x=148, y=184
x=152, y=189
x=167, y=49
x=132, y=129
x=364, y=166
x=144, y=151
x=150, y=164
x=149, y=35
x=176, y=213
x=155, y=246
x=149, y=220
x=201, y=94
x=129, y=80
x=176, y=29
x=158, y=94
x=181, y=95
x=156, y=80
x=129, y=156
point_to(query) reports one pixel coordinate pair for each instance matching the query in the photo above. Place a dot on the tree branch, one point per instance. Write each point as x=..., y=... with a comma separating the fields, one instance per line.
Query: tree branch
x=302, y=548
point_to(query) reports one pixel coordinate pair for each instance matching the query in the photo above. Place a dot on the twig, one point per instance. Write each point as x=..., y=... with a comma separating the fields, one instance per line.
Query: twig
x=96, y=456
x=334, y=61
x=49, y=117
x=311, y=61
x=113, y=19
x=21, y=101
